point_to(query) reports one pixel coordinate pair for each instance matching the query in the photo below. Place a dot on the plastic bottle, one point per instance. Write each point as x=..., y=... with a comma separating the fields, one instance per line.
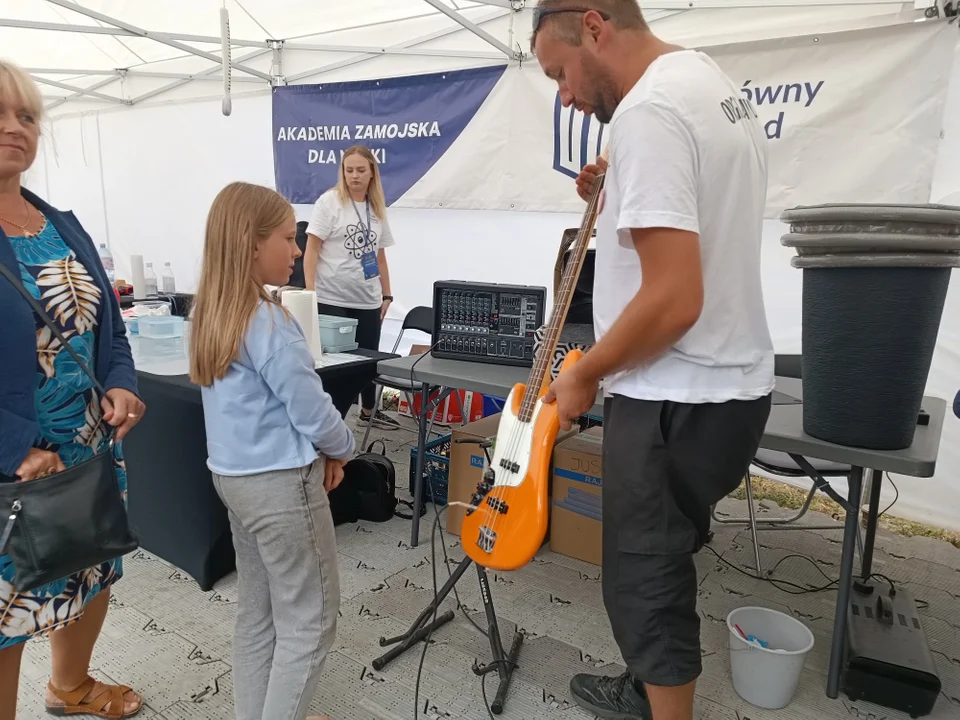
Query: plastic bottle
x=106, y=257
x=167, y=280
x=150, y=280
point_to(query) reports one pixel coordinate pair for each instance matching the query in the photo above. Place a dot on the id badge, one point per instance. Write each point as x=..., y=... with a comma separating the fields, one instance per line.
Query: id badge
x=370, y=268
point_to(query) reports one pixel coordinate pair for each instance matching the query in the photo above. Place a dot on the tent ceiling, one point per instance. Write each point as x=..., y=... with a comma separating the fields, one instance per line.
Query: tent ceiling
x=95, y=53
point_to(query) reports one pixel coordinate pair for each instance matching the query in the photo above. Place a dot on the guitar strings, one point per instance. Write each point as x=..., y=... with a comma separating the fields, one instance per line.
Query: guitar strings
x=531, y=396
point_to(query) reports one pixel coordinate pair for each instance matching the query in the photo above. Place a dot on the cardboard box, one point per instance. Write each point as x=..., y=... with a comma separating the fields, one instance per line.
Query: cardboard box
x=467, y=465
x=576, y=527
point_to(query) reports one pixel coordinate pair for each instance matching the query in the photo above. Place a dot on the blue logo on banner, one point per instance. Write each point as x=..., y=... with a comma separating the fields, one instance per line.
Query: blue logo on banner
x=577, y=139
x=408, y=123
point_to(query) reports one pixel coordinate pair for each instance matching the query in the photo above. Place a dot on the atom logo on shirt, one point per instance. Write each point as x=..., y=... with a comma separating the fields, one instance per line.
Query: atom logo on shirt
x=358, y=240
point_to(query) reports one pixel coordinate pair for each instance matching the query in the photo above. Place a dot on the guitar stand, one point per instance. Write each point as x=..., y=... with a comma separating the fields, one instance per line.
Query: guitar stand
x=421, y=628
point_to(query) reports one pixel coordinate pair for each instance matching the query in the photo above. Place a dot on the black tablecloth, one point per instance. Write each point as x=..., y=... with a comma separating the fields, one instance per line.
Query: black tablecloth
x=173, y=506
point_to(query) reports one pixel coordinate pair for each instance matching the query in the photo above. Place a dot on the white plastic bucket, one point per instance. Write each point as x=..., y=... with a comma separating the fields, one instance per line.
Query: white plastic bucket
x=767, y=677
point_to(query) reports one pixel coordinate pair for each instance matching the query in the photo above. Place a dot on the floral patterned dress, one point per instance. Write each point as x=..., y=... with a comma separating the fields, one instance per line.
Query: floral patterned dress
x=68, y=413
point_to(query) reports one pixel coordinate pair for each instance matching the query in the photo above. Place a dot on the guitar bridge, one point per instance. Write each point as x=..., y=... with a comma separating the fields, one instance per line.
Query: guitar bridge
x=487, y=539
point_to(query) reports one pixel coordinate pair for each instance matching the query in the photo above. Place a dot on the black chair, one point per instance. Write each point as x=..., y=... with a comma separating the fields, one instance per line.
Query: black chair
x=780, y=463
x=297, y=278
x=419, y=318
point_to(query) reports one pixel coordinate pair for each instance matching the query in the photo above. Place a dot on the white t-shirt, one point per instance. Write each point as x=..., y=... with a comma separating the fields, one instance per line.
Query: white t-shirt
x=686, y=152
x=340, y=279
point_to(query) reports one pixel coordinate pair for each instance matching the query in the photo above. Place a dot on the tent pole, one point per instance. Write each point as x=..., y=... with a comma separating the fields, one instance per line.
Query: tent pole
x=475, y=29
x=276, y=68
x=82, y=91
x=206, y=73
x=96, y=86
x=161, y=38
x=405, y=45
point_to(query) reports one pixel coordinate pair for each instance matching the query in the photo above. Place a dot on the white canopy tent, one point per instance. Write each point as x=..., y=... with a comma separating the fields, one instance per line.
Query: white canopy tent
x=90, y=54
x=137, y=145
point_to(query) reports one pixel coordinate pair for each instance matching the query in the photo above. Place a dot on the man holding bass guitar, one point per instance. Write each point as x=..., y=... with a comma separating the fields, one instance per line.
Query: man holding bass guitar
x=685, y=356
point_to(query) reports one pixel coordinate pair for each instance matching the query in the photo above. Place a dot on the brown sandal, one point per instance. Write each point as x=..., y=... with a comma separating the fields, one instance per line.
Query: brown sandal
x=108, y=696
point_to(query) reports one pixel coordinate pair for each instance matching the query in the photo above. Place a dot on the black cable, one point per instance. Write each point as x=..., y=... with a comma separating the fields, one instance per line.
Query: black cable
x=426, y=640
x=801, y=590
x=895, y=497
x=433, y=567
x=893, y=589
x=433, y=495
x=436, y=607
x=483, y=691
x=802, y=557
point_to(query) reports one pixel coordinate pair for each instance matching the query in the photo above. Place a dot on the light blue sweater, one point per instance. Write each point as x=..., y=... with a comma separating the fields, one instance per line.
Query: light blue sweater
x=270, y=411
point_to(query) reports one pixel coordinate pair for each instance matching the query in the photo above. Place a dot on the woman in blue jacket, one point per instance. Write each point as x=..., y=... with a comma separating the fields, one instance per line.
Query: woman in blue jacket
x=49, y=410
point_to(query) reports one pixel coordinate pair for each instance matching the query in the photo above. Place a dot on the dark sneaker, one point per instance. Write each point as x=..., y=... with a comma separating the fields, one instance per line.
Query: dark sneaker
x=380, y=420
x=611, y=698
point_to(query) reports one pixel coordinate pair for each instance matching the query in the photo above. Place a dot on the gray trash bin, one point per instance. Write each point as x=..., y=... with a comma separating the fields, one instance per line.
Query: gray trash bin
x=875, y=280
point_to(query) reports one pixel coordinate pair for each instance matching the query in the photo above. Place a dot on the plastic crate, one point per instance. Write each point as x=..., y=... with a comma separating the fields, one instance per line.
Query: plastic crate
x=492, y=405
x=436, y=469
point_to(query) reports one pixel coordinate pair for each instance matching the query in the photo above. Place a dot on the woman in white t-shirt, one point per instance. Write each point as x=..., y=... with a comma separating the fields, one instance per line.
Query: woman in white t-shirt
x=345, y=262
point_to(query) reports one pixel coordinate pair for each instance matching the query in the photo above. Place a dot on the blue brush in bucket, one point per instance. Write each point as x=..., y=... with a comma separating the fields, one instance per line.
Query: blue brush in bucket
x=767, y=652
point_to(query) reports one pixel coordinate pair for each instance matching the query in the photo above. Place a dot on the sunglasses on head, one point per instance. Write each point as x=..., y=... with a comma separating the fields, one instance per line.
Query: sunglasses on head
x=540, y=13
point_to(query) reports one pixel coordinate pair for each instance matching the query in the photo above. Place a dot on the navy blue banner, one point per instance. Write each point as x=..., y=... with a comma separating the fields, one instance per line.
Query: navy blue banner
x=408, y=123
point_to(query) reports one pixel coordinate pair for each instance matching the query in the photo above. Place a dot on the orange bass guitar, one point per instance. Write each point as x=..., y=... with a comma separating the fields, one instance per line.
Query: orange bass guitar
x=506, y=522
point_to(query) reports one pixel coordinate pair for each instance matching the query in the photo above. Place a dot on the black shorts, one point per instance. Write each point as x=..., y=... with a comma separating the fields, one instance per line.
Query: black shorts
x=664, y=465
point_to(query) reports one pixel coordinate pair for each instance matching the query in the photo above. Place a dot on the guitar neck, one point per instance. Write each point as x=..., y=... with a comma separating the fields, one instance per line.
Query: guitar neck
x=561, y=305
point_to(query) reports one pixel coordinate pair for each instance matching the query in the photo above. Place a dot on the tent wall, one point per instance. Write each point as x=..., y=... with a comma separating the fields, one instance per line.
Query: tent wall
x=144, y=178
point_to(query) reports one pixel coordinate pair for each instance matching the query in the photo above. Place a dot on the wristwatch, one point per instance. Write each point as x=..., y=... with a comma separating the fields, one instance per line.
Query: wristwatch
x=388, y=297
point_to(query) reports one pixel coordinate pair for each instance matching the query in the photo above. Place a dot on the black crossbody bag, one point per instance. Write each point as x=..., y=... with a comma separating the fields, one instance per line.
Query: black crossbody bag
x=63, y=523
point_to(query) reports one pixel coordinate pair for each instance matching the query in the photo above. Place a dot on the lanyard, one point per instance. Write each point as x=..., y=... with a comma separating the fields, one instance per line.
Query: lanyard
x=366, y=232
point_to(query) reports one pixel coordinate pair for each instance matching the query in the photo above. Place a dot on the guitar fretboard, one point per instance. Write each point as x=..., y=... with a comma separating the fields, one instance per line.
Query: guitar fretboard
x=561, y=305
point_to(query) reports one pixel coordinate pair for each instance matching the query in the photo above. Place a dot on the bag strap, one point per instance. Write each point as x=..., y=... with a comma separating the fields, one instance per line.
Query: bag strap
x=409, y=504
x=382, y=444
x=38, y=309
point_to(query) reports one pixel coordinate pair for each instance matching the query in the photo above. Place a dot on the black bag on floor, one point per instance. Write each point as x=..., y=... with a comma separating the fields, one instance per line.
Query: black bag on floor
x=344, y=502
x=368, y=490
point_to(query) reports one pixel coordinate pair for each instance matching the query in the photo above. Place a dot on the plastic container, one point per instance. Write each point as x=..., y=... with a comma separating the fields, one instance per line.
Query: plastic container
x=875, y=282
x=160, y=327
x=167, y=282
x=150, y=281
x=767, y=677
x=868, y=337
x=152, y=307
x=348, y=347
x=337, y=332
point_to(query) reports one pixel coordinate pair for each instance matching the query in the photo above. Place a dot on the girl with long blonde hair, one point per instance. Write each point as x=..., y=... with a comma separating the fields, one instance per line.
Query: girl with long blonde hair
x=276, y=447
x=345, y=262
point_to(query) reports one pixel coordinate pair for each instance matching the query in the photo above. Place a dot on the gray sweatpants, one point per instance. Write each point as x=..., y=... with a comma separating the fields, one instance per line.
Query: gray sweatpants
x=289, y=593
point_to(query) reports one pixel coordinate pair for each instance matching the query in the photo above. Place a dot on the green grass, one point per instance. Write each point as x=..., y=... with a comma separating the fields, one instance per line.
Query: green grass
x=787, y=496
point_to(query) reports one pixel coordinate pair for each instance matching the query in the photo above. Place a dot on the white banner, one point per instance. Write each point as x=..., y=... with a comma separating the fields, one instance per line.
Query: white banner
x=851, y=117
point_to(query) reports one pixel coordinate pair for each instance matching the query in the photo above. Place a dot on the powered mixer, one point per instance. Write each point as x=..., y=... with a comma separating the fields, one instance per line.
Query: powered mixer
x=486, y=322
